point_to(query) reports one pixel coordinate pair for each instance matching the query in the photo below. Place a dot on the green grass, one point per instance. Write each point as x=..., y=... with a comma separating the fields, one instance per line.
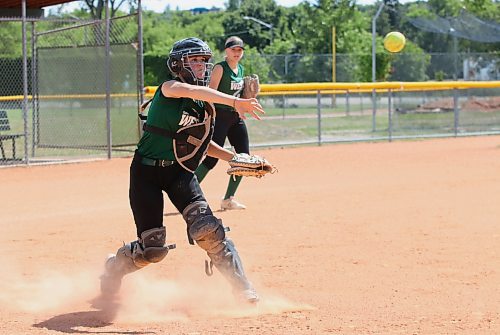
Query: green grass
x=86, y=127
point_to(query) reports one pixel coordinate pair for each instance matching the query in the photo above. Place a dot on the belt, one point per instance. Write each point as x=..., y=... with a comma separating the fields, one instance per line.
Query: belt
x=156, y=162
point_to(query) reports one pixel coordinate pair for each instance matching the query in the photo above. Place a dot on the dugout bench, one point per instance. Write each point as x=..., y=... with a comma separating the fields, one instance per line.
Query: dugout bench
x=5, y=126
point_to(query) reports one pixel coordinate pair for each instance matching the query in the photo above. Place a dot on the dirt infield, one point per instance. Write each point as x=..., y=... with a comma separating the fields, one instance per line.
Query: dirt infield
x=368, y=238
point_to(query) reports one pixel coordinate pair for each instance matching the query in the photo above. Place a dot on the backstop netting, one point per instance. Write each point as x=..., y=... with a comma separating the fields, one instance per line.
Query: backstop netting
x=70, y=115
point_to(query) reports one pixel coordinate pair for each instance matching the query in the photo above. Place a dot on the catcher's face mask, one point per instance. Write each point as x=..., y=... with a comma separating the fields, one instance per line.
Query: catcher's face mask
x=199, y=68
x=183, y=59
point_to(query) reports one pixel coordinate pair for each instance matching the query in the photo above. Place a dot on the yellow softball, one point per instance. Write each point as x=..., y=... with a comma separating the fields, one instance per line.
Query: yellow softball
x=394, y=41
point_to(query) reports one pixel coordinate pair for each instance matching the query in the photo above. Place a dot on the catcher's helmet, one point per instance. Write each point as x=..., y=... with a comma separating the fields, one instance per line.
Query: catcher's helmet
x=178, y=64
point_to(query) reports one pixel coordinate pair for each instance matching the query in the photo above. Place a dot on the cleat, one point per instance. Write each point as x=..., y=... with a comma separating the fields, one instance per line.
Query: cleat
x=230, y=204
x=110, y=282
x=248, y=295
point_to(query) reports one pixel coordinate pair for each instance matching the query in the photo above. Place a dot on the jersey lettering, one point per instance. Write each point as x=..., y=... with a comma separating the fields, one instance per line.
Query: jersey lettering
x=235, y=86
x=187, y=120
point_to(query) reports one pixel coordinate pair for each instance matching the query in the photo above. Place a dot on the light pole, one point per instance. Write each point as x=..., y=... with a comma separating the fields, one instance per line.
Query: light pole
x=262, y=23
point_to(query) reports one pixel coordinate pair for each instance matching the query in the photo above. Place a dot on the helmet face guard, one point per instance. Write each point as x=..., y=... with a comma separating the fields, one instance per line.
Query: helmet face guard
x=179, y=65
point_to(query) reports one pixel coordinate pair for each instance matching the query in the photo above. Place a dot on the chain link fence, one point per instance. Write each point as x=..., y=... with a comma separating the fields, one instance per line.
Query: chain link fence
x=12, y=130
x=357, y=67
x=83, y=92
x=347, y=117
x=71, y=116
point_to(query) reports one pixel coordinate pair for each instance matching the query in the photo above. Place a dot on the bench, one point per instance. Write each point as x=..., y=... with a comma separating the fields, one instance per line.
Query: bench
x=5, y=126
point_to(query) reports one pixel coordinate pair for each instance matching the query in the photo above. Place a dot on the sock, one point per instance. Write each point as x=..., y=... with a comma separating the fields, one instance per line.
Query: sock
x=201, y=172
x=232, y=186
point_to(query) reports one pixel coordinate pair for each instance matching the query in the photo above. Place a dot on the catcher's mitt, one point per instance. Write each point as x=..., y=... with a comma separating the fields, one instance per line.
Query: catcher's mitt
x=249, y=166
x=251, y=86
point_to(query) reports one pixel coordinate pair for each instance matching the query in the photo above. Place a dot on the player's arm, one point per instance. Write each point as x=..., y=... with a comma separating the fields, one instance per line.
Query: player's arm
x=175, y=89
x=216, y=151
x=216, y=77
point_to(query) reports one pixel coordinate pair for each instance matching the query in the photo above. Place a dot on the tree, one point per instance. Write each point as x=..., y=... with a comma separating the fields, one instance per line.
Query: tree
x=97, y=7
x=253, y=33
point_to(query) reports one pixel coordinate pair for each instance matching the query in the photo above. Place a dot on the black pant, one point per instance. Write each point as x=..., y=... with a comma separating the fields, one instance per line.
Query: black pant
x=229, y=124
x=145, y=192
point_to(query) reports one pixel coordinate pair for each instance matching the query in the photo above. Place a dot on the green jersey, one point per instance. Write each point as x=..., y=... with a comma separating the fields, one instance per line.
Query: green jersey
x=230, y=82
x=170, y=114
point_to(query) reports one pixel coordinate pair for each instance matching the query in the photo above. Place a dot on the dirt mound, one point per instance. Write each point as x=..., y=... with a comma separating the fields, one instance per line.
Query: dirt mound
x=446, y=105
x=441, y=105
x=482, y=104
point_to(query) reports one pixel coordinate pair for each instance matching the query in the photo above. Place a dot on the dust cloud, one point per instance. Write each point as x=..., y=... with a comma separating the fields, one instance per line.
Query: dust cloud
x=144, y=297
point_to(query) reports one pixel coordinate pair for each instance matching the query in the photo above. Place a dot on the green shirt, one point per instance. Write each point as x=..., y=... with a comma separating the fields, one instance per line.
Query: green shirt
x=170, y=114
x=230, y=82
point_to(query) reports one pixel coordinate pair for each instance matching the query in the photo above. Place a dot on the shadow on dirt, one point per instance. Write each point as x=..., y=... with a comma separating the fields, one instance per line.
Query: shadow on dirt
x=103, y=317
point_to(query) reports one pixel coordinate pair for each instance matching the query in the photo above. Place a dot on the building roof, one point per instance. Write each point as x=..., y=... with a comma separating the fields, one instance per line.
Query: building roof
x=31, y=3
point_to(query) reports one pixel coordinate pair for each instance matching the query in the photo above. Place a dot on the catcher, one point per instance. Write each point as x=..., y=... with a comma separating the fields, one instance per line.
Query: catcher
x=177, y=135
x=228, y=77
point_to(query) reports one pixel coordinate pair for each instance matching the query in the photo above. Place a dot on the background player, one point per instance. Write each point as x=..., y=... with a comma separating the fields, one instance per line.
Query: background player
x=177, y=135
x=227, y=77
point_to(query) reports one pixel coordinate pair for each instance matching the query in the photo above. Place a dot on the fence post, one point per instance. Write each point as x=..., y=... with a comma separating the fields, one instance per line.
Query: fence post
x=361, y=103
x=318, y=98
x=374, y=111
x=389, y=110
x=455, y=110
x=34, y=94
x=284, y=107
x=107, y=73
x=25, y=81
x=347, y=103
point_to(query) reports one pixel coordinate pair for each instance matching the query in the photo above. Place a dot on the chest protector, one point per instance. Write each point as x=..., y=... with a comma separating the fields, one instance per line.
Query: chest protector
x=190, y=142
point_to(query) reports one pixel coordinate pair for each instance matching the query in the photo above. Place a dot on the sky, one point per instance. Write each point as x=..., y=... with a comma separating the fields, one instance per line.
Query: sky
x=160, y=5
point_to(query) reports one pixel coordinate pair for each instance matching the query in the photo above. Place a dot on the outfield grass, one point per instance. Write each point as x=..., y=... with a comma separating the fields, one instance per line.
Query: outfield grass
x=64, y=128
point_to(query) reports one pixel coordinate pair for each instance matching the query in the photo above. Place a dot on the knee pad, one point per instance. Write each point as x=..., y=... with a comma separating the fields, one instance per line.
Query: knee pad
x=150, y=248
x=203, y=227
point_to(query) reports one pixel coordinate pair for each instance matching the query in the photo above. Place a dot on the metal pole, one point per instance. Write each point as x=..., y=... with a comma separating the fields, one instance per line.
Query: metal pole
x=33, y=89
x=107, y=72
x=455, y=111
x=347, y=104
x=140, y=52
x=283, y=98
x=374, y=65
x=389, y=97
x=334, y=62
x=140, y=62
x=286, y=68
x=25, y=81
x=361, y=103
x=318, y=98
x=455, y=58
x=334, y=56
